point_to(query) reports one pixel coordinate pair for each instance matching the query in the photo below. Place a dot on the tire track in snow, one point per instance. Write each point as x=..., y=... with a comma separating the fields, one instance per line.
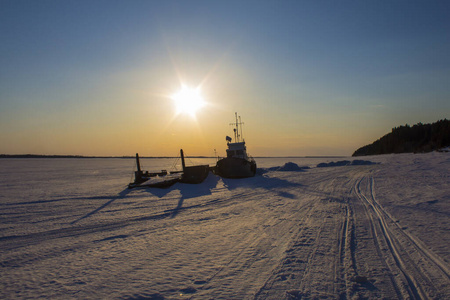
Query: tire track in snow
x=346, y=255
x=323, y=259
x=258, y=253
x=374, y=237
x=408, y=255
x=305, y=237
x=412, y=288
x=435, y=259
x=314, y=250
x=334, y=244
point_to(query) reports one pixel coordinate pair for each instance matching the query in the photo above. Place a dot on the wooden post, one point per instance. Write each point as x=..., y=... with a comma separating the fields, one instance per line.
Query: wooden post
x=182, y=159
x=137, y=163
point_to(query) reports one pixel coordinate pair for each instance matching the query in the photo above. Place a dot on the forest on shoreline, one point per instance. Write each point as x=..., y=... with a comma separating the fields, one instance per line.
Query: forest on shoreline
x=418, y=138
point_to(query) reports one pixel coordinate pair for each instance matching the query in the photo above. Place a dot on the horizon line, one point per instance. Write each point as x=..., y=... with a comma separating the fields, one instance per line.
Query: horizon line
x=132, y=156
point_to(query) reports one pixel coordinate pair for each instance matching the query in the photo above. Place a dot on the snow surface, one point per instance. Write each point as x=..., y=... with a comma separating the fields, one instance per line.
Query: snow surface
x=69, y=228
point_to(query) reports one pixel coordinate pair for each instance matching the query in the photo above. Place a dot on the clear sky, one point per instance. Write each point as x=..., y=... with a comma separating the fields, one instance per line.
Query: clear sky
x=308, y=77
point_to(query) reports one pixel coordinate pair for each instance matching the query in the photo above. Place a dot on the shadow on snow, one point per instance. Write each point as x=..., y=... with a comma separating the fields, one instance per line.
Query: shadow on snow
x=121, y=195
x=188, y=191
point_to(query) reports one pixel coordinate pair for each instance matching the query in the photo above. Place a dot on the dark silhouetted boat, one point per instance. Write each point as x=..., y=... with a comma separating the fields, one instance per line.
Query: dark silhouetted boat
x=163, y=179
x=193, y=174
x=237, y=164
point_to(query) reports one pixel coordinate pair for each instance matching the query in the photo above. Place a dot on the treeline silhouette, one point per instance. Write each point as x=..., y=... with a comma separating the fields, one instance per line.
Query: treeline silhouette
x=407, y=139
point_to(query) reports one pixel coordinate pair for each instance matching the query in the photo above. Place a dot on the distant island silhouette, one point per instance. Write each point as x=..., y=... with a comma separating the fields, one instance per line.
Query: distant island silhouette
x=410, y=139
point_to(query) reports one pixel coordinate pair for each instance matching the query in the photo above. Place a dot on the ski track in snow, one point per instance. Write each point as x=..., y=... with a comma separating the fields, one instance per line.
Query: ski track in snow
x=337, y=232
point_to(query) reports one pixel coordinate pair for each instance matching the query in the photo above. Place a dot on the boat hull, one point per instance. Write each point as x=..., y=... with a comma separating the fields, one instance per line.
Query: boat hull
x=233, y=167
x=157, y=182
x=195, y=174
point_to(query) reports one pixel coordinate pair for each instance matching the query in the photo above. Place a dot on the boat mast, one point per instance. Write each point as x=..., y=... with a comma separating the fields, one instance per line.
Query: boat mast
x=237, y=135
x=241, y=124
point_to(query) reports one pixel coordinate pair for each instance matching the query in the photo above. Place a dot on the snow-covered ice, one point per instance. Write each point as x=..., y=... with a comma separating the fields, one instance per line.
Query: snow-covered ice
x=69, y=228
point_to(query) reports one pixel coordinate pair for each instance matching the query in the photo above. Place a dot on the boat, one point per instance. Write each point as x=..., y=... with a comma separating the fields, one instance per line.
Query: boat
x=193, y=174
x=237, y=164
x=163, y=179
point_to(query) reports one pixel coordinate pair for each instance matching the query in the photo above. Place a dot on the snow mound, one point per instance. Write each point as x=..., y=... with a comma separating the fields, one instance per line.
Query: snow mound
x=342, y=163
x=358, y=162
x=289, y=167
x=446, y=149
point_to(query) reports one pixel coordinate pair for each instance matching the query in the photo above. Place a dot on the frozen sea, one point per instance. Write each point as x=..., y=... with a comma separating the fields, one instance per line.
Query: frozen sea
x=70, y=229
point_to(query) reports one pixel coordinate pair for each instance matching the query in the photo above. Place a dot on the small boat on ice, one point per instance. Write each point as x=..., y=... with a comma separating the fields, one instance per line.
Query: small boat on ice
x=237, y=164
x=163, y=179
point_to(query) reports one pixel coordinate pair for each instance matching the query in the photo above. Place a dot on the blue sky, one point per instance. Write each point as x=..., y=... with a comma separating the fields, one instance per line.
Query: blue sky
x=307, y=77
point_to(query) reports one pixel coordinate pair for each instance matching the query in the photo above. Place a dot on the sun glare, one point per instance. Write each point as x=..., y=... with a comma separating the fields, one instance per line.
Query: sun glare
x=188, y=101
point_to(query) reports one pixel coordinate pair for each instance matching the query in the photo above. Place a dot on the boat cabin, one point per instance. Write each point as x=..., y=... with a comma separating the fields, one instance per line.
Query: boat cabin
x=237, y=150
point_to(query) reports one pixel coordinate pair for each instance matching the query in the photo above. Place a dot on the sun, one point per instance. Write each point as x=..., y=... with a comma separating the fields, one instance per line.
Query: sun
x=188, y=101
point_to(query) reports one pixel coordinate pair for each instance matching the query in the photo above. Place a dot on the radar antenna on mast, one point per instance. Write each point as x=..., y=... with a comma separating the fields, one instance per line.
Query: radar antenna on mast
x=237, y=134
